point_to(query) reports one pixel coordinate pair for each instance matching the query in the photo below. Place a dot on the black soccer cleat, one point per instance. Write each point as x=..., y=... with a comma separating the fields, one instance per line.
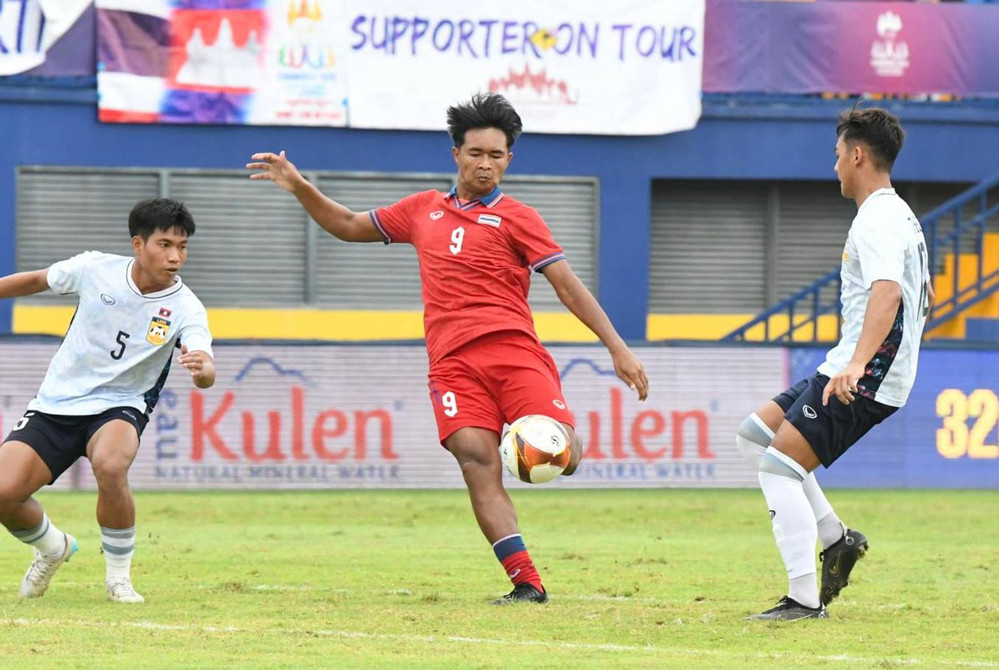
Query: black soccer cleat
x=790, y=610
x=523, y=593
x=838, y=561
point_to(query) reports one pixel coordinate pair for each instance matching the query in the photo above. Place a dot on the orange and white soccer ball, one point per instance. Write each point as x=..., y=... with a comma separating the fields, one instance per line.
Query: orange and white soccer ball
x=535, y=449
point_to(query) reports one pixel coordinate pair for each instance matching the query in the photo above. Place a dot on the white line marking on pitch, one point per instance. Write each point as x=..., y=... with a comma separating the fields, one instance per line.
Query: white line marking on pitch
x=433, y=639
x=408, y=592
x=237, y=587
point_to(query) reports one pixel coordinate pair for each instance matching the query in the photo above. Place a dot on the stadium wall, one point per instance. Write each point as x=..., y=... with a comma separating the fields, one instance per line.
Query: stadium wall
x=738, y=138
x=358, y=416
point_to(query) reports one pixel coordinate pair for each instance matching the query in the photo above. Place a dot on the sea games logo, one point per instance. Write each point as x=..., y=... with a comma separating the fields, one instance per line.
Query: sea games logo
x=307, y=42
x=889, y=55
x=272, y=426
x=624, y=440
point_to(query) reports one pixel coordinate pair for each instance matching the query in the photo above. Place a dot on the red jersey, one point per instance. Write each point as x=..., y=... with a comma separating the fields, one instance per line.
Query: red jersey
x=475, y=262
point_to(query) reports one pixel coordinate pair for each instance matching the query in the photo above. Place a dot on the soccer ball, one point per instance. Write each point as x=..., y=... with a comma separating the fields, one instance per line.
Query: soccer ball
x=535, y=449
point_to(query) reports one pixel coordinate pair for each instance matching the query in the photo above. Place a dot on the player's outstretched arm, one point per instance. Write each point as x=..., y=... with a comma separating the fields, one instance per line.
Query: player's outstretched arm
x=882, y=306
x=578, y=300
x=200, y=365
x=331, y=216
x=24, y=283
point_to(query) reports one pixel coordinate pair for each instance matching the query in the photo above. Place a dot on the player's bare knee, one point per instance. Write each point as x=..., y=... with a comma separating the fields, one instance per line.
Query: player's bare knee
x=111, y=473
x=12, y=494
x=475, y=465
x=7, y=502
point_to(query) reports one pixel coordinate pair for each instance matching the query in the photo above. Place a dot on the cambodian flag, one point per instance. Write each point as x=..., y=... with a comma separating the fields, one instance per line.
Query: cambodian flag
x=178, y=61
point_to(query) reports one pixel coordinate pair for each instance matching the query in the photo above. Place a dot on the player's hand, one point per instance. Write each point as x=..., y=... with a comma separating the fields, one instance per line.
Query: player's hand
x=843, y=384
x=277, y=168
x=194, y=361
x=630, y=370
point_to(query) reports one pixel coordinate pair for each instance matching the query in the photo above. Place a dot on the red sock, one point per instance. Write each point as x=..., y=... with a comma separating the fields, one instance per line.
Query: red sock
x=519, y=567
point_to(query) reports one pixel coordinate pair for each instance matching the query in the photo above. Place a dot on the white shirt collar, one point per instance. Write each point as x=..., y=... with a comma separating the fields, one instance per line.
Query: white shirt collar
x=170, y=290
x=880, y=191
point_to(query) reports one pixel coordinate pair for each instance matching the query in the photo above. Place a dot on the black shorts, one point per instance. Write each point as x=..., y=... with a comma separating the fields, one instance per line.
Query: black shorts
x=832, y=429
x=61, y=439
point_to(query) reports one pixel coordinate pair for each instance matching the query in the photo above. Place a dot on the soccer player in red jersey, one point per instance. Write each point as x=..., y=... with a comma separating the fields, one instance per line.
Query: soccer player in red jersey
x=477, y=248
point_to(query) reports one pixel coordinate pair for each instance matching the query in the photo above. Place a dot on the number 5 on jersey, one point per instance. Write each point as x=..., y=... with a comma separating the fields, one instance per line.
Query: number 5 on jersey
x=122, y=336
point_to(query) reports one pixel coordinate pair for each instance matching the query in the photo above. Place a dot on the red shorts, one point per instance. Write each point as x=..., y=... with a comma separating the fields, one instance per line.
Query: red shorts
x=495, y=379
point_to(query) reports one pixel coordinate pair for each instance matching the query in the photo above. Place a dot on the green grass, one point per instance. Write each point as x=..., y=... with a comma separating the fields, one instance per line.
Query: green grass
x=639, y=579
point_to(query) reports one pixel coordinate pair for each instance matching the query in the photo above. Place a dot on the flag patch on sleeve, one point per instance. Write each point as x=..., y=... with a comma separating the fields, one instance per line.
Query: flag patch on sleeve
x=490, y=220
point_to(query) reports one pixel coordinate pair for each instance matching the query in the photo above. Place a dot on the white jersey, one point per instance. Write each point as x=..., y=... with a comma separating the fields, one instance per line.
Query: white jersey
x=119, y=346
x=884, y=242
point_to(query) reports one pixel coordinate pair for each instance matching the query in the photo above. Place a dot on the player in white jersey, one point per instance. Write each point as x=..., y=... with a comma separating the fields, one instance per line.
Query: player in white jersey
x=101, y=386
x=865, y=378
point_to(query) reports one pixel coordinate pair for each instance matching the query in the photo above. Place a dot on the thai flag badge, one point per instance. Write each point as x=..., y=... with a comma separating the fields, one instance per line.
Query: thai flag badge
x=490, y=220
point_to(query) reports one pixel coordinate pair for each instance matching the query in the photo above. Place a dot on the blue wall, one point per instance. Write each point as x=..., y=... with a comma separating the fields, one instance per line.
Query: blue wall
x=738, y=138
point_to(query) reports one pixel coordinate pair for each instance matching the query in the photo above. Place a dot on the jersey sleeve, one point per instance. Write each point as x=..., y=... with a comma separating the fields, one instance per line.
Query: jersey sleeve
x=533, y=240
x=395, y=222
x=195, y=334
x=67, y=276
x=881, y=251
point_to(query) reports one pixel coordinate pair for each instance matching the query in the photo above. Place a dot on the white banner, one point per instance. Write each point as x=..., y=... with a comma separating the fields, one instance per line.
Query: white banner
x=360, y=417
x=29, y=27
x=626, y=68
x=623, y=68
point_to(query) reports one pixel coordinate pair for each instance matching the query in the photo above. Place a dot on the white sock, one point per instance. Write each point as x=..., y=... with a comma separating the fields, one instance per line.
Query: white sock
x=804, y=590
x=831, y=529
x=119, y=545
x=44, y=537
x=752, y=440
x=794, y=525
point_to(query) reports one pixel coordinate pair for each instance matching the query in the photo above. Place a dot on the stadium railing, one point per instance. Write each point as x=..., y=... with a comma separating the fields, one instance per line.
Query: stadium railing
x=963, y=258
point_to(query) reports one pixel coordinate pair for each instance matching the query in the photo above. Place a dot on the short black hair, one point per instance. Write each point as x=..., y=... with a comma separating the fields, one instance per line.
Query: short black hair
x=879, y=129
x=164, y=214
x=484, y=110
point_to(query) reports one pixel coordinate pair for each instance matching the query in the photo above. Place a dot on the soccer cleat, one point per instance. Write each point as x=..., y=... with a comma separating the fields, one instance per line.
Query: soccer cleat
x=790, y=610
x=36, y=579
x=120, y=590
x=838, y=561
x=523, y=593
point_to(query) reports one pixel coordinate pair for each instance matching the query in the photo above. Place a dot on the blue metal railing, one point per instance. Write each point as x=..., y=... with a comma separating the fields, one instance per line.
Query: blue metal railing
x=966, y=237
x=803, y=310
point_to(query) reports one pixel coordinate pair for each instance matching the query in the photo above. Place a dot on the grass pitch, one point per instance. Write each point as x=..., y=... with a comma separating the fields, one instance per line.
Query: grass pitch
x=638, y=579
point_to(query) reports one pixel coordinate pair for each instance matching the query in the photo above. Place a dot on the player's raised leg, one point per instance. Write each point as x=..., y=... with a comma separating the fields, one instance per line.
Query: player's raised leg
x=22, y=472
x=756, y=434
x=841, y=547
x=477, y=453
x=111, y=451
x=783, y=469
